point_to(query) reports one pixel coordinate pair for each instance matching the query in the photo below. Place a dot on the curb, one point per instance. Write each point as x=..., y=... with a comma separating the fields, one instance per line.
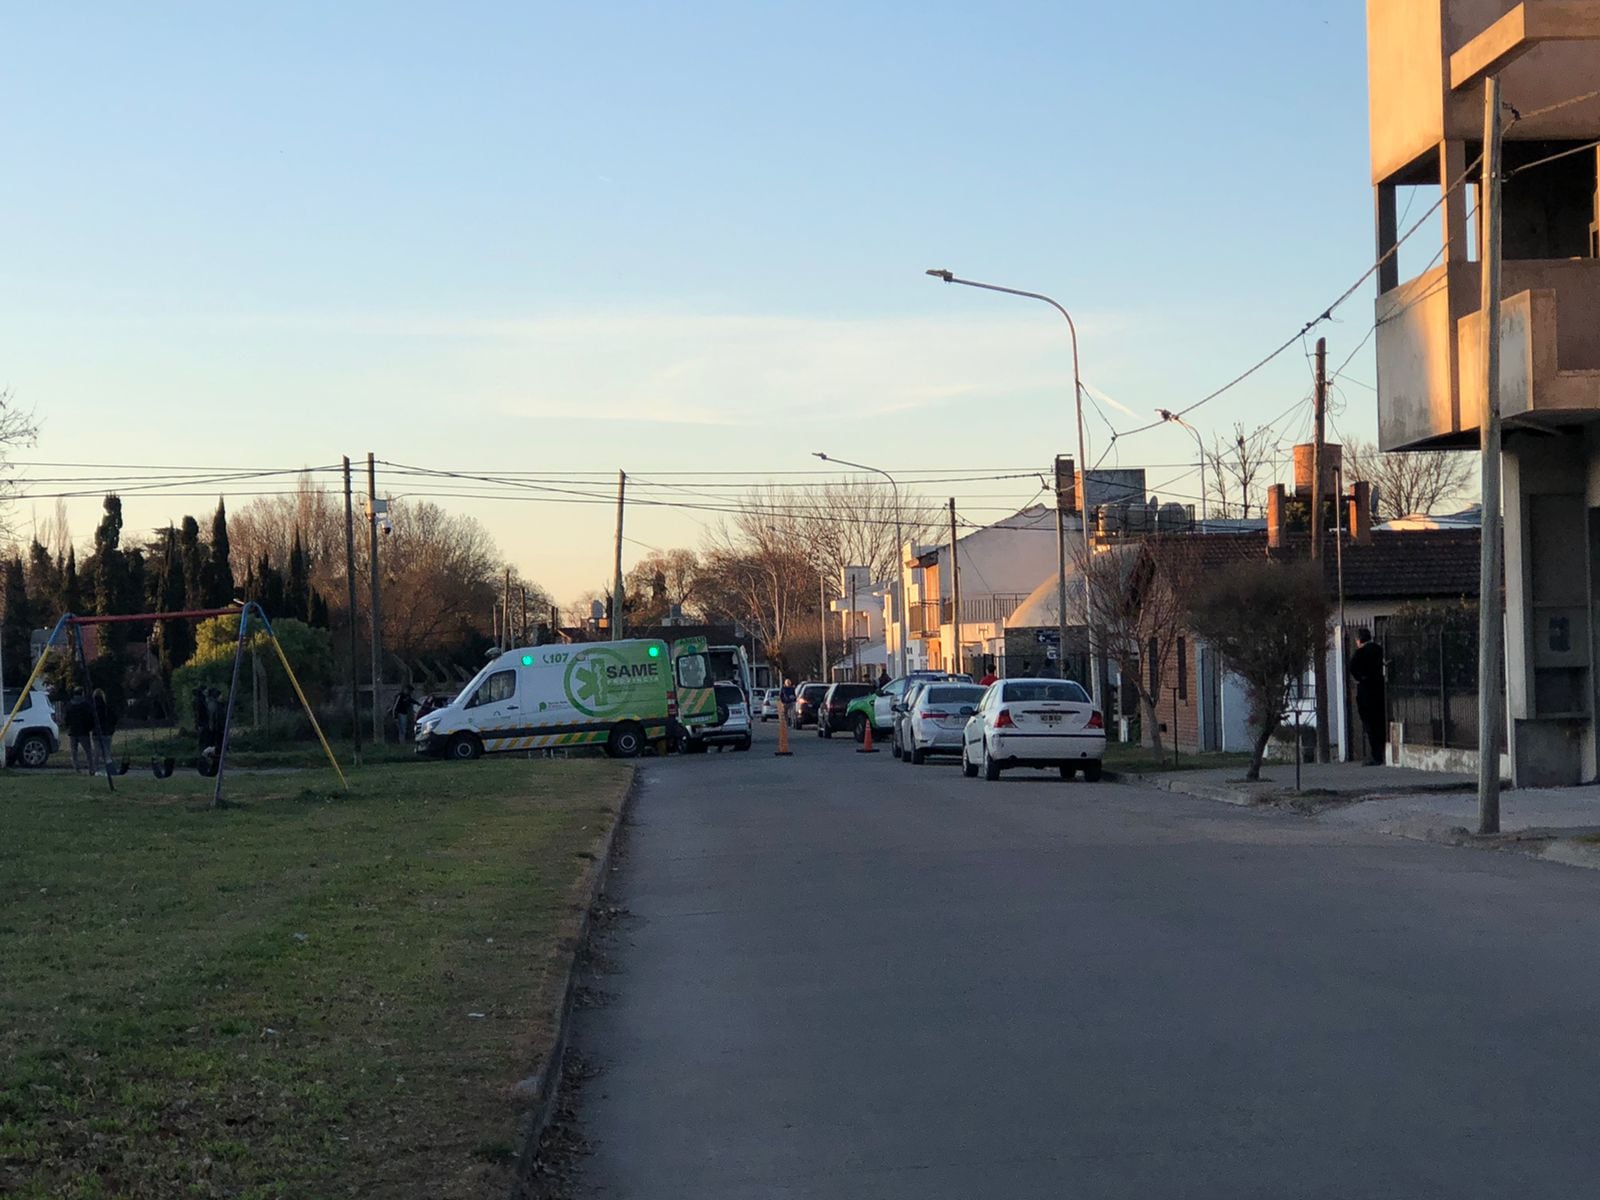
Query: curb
x=543, y=1086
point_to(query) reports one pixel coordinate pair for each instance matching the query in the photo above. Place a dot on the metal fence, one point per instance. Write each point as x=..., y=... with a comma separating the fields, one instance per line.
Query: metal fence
x=1432, y=682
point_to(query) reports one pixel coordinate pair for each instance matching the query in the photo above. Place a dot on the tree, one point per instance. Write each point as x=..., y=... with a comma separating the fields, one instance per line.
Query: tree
x=216, y=573
x=297, y=583
x=16, y=627
x=17, y=428
x=658, y=581
x=310, y=653
x=1409, y=482
x=71, y=598
x=1267, y=620
x=1236, y=471
x=44, y=582
x=174, y=639
x=192, y=556
x=1138, y=596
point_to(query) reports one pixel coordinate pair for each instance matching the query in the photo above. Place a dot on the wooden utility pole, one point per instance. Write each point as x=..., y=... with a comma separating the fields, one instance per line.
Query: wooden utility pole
x=955, y=591
x=350, y=582
x=1319, y=454
x=1490, y=717
x=616, y=583
x=377, y=616
x=822, y=613
x=511, y=636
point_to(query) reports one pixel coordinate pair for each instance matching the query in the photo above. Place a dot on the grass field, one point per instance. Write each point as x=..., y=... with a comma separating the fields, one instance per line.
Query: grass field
x=308, y=994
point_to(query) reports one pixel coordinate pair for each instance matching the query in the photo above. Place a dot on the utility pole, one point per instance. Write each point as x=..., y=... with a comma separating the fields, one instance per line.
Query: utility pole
x=855, y=644
x=1066, y=484
x=1319, y=449
x=350, y=584
x=822, y=617
x=955, y=590
x=511, y=636
x=616, y=583
x=377, y=618
x=1490, y=717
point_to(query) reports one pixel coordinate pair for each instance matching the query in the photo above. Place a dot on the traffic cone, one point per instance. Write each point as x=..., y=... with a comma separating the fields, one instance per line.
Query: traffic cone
x=783, y=750
x=866, y=746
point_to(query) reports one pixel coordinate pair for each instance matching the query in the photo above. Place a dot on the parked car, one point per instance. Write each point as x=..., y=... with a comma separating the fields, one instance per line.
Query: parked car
x=806, y=698
x=936, y=717
x=33, y=736
x=769, y=704
x=732, y=727
x=897, y=727
x=1034, y=723
x=878, y=705
x=832, y=714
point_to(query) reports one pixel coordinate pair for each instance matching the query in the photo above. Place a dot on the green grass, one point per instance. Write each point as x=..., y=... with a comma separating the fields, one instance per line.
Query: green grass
x=1141, y=760
x=277, y=999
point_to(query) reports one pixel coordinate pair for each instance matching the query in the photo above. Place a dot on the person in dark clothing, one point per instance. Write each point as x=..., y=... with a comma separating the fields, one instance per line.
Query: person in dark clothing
x=405, y=709
x=216, y=716
x=883, y=679
x=78, y=716
x=1366, y=668
x=201, y=712
x=105, y=724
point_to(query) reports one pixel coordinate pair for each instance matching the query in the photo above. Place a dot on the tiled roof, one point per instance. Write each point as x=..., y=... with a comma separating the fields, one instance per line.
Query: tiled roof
x=1396, y=564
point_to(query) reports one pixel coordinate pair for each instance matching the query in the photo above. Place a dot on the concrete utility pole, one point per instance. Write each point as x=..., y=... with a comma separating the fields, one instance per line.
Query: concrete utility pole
x=1319, y=443
x=616, y=582
x=1061, y=558
x=822, y=618
x=350, y=583
x=511, y=634
x=377, y=621
x=1490, y=716
x=955, y=590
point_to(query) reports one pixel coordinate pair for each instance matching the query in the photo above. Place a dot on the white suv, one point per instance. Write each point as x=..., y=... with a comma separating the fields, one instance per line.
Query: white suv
x=732, y=727
x=33, y=736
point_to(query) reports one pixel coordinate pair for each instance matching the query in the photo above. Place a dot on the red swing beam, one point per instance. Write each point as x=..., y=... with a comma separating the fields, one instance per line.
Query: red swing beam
x=124, y=618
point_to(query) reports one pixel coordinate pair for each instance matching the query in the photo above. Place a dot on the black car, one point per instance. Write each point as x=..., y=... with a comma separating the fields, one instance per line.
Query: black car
x=831, y=712
x=806, y=698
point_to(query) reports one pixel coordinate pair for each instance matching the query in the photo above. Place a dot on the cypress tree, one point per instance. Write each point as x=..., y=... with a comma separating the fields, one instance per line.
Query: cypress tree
x=71, y=586
x=218, y=569
x=16, y=628
x=193, y=556
x=297, y=588
x=176, y=637
x=44, y=582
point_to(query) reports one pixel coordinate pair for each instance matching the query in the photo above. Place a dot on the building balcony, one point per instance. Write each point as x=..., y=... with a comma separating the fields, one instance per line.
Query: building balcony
x=925, y=617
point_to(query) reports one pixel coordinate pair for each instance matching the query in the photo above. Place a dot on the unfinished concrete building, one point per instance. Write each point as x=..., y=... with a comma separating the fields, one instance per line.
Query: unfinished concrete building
x=1427, y=65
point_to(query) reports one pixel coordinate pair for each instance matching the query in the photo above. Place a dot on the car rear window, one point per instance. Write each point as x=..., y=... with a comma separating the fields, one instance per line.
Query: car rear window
x=1045, y=689
x=850, y=691
x=813, y=691
x=955, y=695
x=729, y=693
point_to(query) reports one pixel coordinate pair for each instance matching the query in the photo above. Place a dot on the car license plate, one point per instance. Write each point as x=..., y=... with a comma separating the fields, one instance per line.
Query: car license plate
x=1051, y=718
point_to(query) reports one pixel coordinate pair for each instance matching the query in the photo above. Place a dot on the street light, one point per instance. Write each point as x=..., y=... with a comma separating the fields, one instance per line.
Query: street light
x=1083, y=466
x=1169, y=415
x=899, y=551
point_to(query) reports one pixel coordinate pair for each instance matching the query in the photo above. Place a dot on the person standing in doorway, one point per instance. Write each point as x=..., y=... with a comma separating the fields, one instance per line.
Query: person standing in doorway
x=1366, y=668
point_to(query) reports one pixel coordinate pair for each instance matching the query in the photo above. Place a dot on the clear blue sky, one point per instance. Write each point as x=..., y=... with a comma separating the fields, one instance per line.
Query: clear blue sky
x=667, y=237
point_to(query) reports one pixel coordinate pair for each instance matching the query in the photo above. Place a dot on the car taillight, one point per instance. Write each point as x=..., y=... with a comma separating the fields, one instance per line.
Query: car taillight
x=1002, y=719
x=1096, y=721
x=672, y=703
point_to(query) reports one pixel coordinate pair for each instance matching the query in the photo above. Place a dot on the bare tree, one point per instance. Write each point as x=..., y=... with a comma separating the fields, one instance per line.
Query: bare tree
x=18, y=428
x=658, y=581
x=762, y=575
x=1238, y=469
x=1268, y=621
x=1140, y=604
x=1408, y=482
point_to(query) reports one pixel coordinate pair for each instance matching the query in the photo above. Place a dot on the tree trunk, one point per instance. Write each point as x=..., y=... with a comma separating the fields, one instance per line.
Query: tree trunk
x=1147, y=708
x=1263, y=736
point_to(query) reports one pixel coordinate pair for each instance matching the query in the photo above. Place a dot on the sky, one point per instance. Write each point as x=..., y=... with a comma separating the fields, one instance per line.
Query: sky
x=678, y=240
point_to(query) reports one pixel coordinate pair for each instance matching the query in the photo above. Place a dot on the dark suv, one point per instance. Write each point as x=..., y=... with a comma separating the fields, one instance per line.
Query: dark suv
x=806, y=698
x=831, y=715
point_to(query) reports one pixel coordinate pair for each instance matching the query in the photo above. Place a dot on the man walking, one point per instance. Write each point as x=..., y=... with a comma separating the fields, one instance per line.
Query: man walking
x=1366, y=668
x=78, y=716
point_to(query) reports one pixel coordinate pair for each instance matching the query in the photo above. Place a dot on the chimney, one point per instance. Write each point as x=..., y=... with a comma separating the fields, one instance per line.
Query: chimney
x=1277, y=515
x=1361, y=512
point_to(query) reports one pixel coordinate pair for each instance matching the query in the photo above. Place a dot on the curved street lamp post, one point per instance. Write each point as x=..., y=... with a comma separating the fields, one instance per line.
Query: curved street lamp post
x=899, y=552
x=1083, y=467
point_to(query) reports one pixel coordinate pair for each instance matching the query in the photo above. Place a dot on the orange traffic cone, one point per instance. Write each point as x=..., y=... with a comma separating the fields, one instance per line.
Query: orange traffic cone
x=783, y=750
x=866, y=746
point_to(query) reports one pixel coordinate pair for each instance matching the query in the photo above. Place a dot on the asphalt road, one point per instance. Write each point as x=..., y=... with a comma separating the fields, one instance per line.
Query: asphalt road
x=844, y=977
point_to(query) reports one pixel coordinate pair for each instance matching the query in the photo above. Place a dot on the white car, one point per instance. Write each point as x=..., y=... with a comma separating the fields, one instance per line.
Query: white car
x=769, y=704
x=33, y=736
x=936, y=718
x=732, y=727
x=1034, y=723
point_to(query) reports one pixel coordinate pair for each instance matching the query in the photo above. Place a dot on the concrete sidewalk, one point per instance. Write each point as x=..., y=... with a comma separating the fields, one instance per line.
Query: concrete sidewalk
x=1426, y=805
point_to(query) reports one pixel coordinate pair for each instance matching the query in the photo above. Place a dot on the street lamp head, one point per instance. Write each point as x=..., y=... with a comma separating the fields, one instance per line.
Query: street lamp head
x=1166, y=414
x=819, y=454
x=947, y=276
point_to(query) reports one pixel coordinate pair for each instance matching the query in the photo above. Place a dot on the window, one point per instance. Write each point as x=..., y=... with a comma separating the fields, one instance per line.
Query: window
x=1044, y=689
x=502, y=685
x=692, y=671
x=1151, y=655
x=1183, y=669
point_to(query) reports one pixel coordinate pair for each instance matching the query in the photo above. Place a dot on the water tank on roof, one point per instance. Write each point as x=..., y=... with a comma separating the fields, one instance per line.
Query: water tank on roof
x=1172, y=518
x=1138, y=519
x=1114, y=518
x=1332, y=457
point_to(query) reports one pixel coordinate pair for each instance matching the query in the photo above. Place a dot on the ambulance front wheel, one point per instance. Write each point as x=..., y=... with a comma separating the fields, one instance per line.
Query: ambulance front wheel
x=627, y=741
x=464, y=747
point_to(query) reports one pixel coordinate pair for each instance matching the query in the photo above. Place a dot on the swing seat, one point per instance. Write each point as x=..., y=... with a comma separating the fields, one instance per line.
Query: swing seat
x=206, y=765
x=162, y=768
x=120, y=768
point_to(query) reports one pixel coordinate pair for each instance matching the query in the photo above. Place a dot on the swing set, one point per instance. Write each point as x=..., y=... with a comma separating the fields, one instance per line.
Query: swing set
x=69, y=631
